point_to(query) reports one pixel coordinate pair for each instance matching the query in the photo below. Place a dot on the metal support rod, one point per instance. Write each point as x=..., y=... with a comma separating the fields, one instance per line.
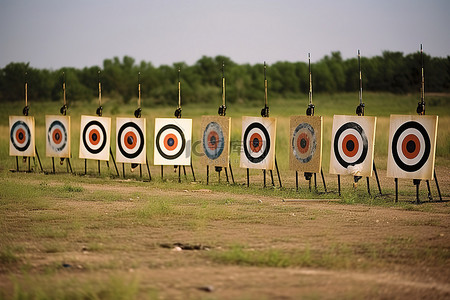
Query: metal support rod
x=231, y=171
x=271, y=176
x=309, y=184
x=140, y=170
x=264, y=176
x=437, y=185
x=248, y=177
x=226, y=175
x=29, y=164
x=68, y=164
x=368, y=186
x=339, y=184
x=192, y=170
x=17, y=163
x=179, y=174
x=53, y=165
x=148, y=169
x=98, y=167
x=430, y=197
x=417, y=183
x=323, y=180
x=396, y=189
x=85, y=166
x=114, y=161
x=218, y=176
x=278, y=172
x=39, y=159
x=376, y=177
x=296, y=181
x=123, y=169
x=162, y=172
x=184, y=172
x=207, y=174
x=315, y=182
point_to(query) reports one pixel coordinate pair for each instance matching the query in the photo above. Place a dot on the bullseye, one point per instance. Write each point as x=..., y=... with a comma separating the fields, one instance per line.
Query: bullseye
x=57, y=136
x=213, y=140
x=410, y=146
x=350, y=145
x=256, y=142
x=303, y=143
x=170, y=142
x=130, y=140
x=20, y=135
x=94, y=137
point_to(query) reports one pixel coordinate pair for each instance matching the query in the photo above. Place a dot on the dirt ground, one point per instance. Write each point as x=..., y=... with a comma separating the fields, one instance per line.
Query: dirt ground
x=132, y=251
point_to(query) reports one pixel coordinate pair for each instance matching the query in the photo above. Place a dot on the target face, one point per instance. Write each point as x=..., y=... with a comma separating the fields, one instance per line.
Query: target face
x=130, y=140
x=412, y=144
x=352, y=145
x=173, y=141
x=21, y=136
x=215, y=140
x=58, y=136
x=258, y=143
x=95, y=135
x=306, y=143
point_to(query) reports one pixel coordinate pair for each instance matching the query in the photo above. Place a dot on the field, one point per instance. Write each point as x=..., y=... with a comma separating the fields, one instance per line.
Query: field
x=65, y=236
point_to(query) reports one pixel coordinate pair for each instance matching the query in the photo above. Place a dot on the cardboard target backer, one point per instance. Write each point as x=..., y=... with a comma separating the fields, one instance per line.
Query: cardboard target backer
x=215, y=137
x=305, y=153
x=173, y=141
x=130, y=140
x=352, y=144
x=95, y=136
x=412, y=146
x=21, y=136
x=57, y=139
x=258, y=143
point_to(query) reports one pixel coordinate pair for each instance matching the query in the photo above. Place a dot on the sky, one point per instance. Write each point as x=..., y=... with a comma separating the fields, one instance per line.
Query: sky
x=52, y=34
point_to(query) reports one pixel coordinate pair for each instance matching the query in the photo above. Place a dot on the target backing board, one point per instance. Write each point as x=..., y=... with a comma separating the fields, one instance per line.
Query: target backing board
x=258, y=143
x=215, y=137
x=173, y=140
x=305, y=144
x=130, y=140
x=352, y=144
x=95, y=136
x=57, y=139
x=412, y=146
x=21, y=136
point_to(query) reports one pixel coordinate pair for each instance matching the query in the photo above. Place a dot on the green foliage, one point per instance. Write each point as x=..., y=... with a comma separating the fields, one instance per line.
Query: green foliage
x=201, y=82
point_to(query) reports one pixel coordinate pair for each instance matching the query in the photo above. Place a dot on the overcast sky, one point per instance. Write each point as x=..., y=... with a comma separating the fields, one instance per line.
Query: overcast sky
x=78, y=33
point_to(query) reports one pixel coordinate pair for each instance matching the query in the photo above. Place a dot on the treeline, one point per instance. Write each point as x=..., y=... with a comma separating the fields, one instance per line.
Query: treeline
x=391, y=72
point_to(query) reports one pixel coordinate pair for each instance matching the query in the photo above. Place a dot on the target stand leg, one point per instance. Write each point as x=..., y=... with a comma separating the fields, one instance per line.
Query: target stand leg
x=179, y=174
x=114, y=161
x=248, y=177
x=323, y=180
x=140, y=171
x=29, y=164
x=39, y=159
x=85, y=166
x=226, y=175
x=296, y=181
x=231, y=171
x=368, y=186
x=339, y=184
x=278, y=172
x=396, y=189
x=207, y=174
x=430, y=197
x=69, y=165
x=315, y=182
x=184, y=172
x=53, y=165
x=17, y=163
x=162, y=172
x=437, y=185
x=123, y=169
x=376, y=177
x=271, y=176
x=193, y=173
x=148, y=169
x=416, y=182
x=98, y=167
x=264, y=177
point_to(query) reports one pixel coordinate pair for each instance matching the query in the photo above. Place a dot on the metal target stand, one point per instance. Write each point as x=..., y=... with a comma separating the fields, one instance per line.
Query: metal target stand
x=99, y=113
x=310, y=112
x=177, y=114
x=360, y=112
x=137, y=114
x=265, y=114
x=221, y=112
x=26, y=158
x=63, y=111
x=421, y=112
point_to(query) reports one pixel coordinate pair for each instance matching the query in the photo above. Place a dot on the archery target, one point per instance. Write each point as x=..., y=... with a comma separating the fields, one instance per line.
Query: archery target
x=215, y=140
x=258, y=143
x=58, y=136
x=21, y=133
x=130, y=140
x=95, y=135
x=173, y=141
x=306, y=143
x=352, y=144
x=412, y=146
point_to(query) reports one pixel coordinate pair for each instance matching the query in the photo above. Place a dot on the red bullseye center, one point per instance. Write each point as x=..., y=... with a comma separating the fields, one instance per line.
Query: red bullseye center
x=213, y=140
x=303, y=143
x=170, y=141
x=410, y=146
x=20, y=135
x=94, y=137
x=57, y=136
x=256, y=142
x=350, y=145
x=130, y=140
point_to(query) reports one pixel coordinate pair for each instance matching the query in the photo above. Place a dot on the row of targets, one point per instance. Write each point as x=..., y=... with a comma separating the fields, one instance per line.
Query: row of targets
x=411, y=153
